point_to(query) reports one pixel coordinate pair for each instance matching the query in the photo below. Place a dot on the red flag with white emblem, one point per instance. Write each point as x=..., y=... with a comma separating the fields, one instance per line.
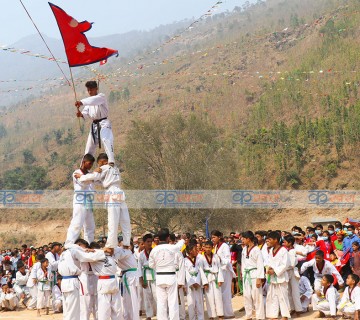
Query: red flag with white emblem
x=77, y=47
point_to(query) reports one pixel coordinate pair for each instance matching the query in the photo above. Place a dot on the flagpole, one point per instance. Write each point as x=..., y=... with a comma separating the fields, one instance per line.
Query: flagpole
x=73, y=87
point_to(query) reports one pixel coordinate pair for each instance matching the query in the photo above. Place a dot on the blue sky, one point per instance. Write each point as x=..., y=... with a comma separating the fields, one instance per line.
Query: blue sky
x=110, y=16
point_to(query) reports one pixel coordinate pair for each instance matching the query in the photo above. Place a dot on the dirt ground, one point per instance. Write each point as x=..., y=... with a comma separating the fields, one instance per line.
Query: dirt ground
x=28, y=315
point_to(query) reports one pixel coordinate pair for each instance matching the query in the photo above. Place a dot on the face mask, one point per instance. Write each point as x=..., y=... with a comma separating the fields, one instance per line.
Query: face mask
x=324, y=238
x=349, y=233
x=293, y=233
x=345, y=229
x=318, y=231
x=337, y=229
x=331, y=231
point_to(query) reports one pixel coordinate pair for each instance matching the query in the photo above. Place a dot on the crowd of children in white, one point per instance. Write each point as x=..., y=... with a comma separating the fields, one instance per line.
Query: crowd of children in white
x=167, y=275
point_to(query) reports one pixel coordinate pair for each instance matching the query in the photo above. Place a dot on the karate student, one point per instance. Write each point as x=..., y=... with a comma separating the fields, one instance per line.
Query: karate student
x=116, y=206
x=195, y=281
x=44, y=277
x=69, y=268
x=8, y=299
x=350, y=301
x=32, y=282
x=321, y=267
x=164, y=259
x=108, y=293
x=261, y=241
x=213, y=272
x=53, y=258
x=277, y=298
x=89, y=283
x=223, y=251
x=147, y=278
x=326, y=298
x=22, y=277
x=83, y=217
x=294, y=276
x=252, y=269
x=306, y=292
x=96, y=109
x=57, y=300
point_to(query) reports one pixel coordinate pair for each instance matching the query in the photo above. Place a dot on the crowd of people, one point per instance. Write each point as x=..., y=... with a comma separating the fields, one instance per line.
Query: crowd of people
x=168, y=275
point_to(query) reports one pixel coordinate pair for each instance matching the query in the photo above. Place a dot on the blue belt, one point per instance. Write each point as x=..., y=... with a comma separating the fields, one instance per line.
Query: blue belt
x=70, y=277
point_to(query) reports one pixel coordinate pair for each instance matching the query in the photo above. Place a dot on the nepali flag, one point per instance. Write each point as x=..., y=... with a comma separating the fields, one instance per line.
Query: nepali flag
x=77, y=47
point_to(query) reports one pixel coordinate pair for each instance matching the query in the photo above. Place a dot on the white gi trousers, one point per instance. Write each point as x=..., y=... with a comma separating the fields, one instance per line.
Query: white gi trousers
x=181, y=297
x=109, y=306
x=57, y=305
x=213, y=298
x=130, y=297
x=305, y=304
x=226, y=293
x=10, y=301
x=294, y=292
x=149, y=298
x=33, y=293
x=195, y=301
x=88, y=300
x=348, y=309
x=117, y=213
x=277, y=299
x=82, y=218
x=71, y=305
x=106, y=137
x=43, y=299
x=253, y=299
x=167, y=298
x=320, y=305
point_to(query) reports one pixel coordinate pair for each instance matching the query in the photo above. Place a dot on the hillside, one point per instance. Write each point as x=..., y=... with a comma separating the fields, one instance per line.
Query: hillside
x=273, y=88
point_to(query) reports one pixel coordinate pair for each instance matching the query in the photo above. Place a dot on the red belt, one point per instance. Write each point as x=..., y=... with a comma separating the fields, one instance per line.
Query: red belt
x=106, y=277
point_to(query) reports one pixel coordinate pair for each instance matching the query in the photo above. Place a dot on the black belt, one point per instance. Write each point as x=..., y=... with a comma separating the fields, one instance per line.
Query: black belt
x=97, y=122
x=165, y=273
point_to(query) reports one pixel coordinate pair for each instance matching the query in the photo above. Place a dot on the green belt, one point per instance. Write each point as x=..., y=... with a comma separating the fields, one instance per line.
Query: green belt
x=269, y=278
x=125, y=278
x=207, y=272
x=194, y=274
x=247, y=275
x=144, y=274
x=43, y=283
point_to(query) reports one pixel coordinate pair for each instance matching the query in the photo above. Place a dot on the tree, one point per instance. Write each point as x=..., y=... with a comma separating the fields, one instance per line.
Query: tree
x=26, y=178
x=3, y=132
x=176, y=153
x=28, y=157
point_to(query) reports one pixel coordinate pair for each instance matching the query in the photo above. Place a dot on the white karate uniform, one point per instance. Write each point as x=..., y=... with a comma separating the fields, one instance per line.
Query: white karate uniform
x=278, y=295
x=69, y=265
x=181, y=291
x=305, y=290
x=44, y=288
x=194, y=274
x=302, y=249
x=130, y=281
x=327, y=304
x=294, y=276
x=264, y=253
x=116, y=206
x=31, y=284
x=88, y=296
x=252, y=268
x=223, y=251
x=328, y=268
x=9, y=300
x=213, y=296
x=164, y=259
x=109, y=302
x=20, y=284
x=83, y=217
x=57, y=299
x=149, y=293
x=350, y=301
x=96, y=108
